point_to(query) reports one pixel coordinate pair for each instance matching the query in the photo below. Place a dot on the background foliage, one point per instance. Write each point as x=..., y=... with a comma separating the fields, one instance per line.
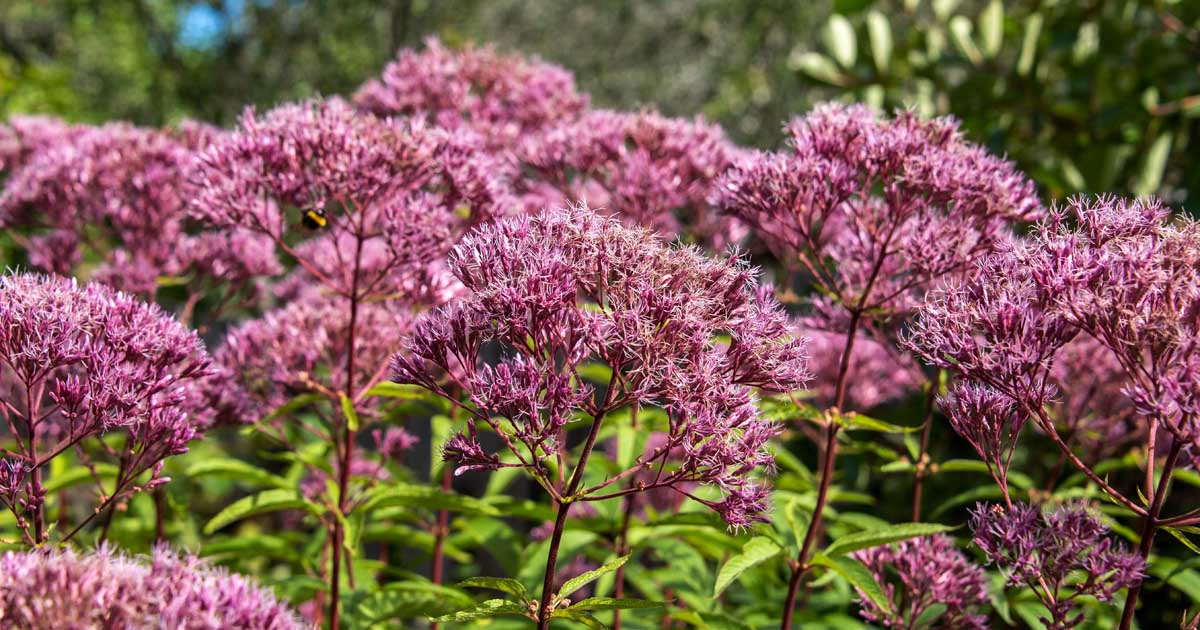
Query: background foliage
x=1092, y=96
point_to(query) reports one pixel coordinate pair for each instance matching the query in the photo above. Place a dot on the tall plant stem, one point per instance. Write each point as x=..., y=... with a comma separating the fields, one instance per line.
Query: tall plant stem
x=622, y=543
x=560, y=522
x=439, y=541
x=1149, y=527
x=347, y=445
x=921, y=464
x=33, y=405
x=800, y=567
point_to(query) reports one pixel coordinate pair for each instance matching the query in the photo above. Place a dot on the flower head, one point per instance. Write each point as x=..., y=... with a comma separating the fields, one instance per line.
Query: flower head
x=895, y=204
x=651, y=170
x=502, y=97
x=1114, y=276
x=400, y=189
x=988, y=420
x=102, y=362
x=552, y=292
x=302, y=348
x=61, y=589
x=928, y=572
x=1047, y=550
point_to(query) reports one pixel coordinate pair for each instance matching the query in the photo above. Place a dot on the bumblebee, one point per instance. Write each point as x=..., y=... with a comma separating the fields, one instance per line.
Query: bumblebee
x=314, y=219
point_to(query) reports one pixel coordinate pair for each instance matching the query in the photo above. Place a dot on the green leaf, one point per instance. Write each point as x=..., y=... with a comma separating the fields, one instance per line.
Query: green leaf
x=440, y=427
x=348, y=411
x=840, y=40
x=388, y=389
x=880, y=33
x=858, y=575
x=755, y=551
x=411, y=495
x=299, y=402
x=883, y=536
x=78, y=474
x=266, y=501
x=406, y=600
x=578, y=615
x=1033, y=30
x=1186, y=581
x=504, y=585
x=817, y=66
x=1180, y=534
x=960, y=32
x=858, y=422
x=1152, y=169
x=582, y=580
x=991, y=28
x=610, y=603
x=236, y=470
x=489, y=608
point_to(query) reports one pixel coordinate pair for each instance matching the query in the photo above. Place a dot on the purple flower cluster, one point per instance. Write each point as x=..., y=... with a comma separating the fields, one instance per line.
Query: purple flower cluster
x=928, y=572
x=990, y=422
x=553, y=292
x=62, y=589
x=79, y=362
x=652, y=170
x=895, y=204
x=1120, y=276
x=501, y=97
x=1061, y=554
x=292, y=350
x=119, y=190
x=399, y=188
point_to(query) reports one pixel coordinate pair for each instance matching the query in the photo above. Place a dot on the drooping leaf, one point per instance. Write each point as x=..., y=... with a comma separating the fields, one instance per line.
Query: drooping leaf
x=880, y=33
x=237, y=470
x=755, y=551
x=412, y=495
x=840, y=40
x=991, y=28
x=77, y=475
x=263, y=502
x=578, y=615
x=388, y=389
x=873, y=538
x=858, y=575
x=489, y=608
x=348, y=411
x=610, y=603
x=583, y=579
x=504, y=585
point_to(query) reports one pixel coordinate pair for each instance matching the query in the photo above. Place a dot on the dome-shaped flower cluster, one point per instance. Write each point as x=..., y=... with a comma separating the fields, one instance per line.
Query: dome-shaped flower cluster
x=79, y=362
x=104, y=589
x=561, y=289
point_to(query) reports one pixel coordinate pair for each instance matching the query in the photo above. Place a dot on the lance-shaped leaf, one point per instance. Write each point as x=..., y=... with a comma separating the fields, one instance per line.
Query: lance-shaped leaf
x=261, y=503
x=858, y=575
x=237, y=470
x=614, y=603
x=882, y=536
x=755, y=551
x=583, y=579
x=504, y=585
x=489, y=608
x=411, y=495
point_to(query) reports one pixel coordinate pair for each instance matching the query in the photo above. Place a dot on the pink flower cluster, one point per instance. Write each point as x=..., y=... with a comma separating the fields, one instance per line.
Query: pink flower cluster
x=552, y=292
x=80, y=362
x=501, y=97
x=62, y=589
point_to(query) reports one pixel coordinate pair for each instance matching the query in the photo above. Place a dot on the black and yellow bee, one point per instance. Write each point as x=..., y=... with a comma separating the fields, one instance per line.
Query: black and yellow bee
x=314, y=219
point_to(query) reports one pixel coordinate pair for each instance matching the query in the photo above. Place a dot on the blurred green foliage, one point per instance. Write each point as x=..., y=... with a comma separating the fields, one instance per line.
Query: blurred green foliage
x=1087, y=96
